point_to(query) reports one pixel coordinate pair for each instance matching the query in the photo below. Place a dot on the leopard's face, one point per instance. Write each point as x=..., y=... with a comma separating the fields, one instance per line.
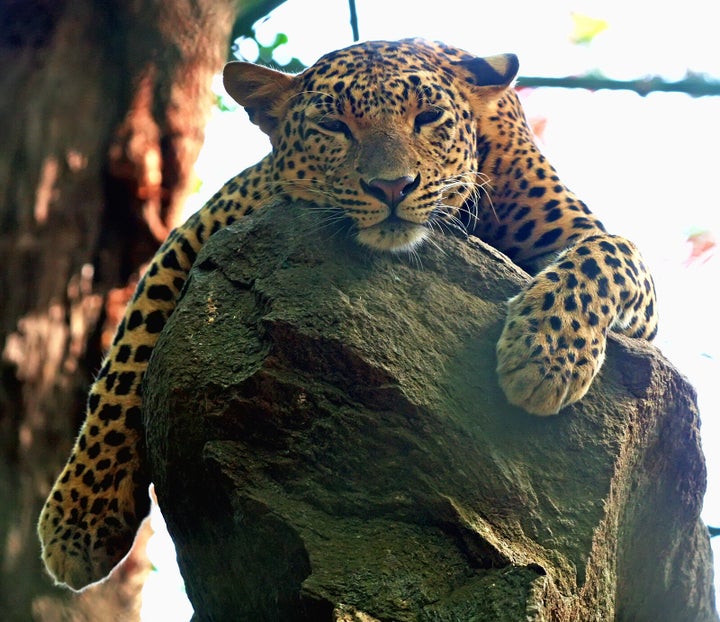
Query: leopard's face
x=389, y=148
x=384, y=134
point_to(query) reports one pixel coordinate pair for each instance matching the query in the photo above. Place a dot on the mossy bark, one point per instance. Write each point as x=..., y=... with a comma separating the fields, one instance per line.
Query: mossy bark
x=329, y=442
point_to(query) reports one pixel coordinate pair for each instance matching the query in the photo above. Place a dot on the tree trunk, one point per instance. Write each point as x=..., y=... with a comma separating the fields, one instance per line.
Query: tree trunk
x=102, y=112
x=329, y=442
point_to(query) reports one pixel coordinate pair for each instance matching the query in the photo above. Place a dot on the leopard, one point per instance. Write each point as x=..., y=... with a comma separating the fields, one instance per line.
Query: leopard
x=404, y=141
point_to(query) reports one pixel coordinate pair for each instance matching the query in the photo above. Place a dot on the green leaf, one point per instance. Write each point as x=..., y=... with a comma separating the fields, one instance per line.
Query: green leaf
x=586, y=28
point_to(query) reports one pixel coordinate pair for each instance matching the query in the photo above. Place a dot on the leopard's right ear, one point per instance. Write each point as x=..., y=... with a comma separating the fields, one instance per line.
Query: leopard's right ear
x=263, y=92
x=494, y=72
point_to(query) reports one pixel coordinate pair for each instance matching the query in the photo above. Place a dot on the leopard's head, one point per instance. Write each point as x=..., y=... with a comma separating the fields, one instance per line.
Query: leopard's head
x=388, y=134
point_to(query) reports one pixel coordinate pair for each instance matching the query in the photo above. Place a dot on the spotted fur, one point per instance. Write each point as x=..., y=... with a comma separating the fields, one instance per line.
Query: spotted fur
x=401, y=139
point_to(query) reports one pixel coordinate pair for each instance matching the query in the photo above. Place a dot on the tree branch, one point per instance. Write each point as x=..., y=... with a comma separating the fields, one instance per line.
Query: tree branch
x=695, y=86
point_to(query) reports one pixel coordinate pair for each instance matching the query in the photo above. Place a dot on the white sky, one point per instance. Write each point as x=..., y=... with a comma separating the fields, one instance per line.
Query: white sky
x=643, y=37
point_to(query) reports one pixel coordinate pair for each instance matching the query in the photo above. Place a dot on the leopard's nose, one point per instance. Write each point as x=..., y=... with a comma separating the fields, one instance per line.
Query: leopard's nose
x=391, y=191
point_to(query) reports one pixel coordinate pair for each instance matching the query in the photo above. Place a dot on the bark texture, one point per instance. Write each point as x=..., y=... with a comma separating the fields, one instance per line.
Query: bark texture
x=102, y=111
x=329, y=442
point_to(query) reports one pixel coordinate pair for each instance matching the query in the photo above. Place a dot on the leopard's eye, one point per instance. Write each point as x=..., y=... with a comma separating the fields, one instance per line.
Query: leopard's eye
x=426, y=117
x=335, y=126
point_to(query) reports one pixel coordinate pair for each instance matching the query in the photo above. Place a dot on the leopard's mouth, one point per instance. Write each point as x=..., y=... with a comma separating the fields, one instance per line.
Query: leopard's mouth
x=393, y=235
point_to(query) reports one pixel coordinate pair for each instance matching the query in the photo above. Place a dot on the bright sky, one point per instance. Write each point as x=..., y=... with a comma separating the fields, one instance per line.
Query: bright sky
x=643, y=36
x=652, y=152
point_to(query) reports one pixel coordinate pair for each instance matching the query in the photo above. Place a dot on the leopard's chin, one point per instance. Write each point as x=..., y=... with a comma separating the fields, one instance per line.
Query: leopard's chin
x=395, y=236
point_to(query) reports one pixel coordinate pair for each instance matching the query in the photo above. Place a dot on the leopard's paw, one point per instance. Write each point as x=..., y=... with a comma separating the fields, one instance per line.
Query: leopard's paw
x=547, y=359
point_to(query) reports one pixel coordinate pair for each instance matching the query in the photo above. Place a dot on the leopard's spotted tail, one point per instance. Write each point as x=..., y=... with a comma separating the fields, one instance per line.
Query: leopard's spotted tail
x=93, y=512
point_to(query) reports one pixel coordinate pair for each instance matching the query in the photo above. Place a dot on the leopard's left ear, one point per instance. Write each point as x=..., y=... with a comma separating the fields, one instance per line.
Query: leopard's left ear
x=491, y=71
x=262, y=91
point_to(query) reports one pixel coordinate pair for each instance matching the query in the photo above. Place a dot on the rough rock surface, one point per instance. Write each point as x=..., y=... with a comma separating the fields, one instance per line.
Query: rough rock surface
x=329, y=442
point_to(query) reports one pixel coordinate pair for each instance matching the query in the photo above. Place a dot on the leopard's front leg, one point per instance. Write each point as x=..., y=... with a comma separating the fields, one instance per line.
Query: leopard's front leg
x=554, y=339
